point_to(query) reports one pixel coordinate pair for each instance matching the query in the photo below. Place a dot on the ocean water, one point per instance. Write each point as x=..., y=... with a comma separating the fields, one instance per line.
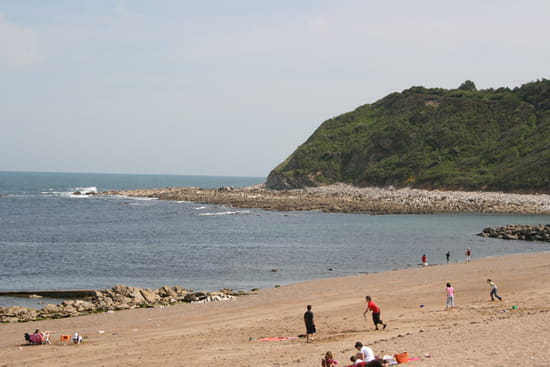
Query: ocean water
x=53, y=239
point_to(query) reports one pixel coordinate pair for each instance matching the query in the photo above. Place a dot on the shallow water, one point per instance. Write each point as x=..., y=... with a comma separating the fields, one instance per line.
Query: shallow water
x=50, y=239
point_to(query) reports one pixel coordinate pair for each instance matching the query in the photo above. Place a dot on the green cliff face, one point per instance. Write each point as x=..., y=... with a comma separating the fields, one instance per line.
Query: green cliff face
x=460, y=139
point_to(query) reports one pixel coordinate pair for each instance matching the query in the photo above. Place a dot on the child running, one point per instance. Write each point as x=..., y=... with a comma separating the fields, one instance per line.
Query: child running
x=493, y=293
x=375, y=313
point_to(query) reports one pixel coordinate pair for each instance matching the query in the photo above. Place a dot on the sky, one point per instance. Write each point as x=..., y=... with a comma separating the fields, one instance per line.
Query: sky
x=232, y=88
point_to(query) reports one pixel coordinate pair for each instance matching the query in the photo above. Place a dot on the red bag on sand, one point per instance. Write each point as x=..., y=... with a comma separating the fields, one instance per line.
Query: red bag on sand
x=402, y=357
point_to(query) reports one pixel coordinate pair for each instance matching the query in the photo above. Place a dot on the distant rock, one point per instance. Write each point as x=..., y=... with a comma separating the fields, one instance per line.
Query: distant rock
x=519, y=232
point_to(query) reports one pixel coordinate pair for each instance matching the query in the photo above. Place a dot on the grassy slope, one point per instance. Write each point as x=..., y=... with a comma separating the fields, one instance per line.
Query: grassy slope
x=432, y=138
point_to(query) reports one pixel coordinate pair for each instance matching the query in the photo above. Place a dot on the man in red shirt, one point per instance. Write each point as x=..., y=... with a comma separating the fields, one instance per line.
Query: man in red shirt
x=375, y=313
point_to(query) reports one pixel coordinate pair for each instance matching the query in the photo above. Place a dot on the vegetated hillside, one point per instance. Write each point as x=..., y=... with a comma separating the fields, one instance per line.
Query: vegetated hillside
x=460, y=139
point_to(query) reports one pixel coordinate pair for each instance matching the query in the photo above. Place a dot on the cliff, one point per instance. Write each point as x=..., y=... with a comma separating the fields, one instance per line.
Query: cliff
x=459, y=139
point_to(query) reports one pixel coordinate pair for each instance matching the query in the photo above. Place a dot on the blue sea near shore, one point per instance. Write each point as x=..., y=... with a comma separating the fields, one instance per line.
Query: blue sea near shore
x=53, y=239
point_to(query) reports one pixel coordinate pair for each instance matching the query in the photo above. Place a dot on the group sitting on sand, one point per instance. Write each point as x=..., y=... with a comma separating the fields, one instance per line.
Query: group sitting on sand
x=363, y=358
x=39, y=337
x=43, y=337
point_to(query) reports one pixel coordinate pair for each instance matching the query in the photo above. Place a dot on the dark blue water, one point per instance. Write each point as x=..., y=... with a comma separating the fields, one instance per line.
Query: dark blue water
x=51, y=239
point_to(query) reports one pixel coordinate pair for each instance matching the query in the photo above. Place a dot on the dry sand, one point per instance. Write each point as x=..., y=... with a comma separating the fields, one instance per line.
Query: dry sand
x=477, y=333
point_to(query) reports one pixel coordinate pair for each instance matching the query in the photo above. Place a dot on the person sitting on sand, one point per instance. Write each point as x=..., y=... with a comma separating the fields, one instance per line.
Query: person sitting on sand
x=77, y=338
x=329, y=360
x=365, y=352
x=356, y=359
x=40, y=337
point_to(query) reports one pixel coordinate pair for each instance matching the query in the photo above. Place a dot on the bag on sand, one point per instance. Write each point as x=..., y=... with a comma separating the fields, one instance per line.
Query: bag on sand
x=402, y=357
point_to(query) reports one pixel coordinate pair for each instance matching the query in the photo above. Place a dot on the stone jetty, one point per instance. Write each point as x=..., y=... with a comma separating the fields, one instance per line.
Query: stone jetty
x=120, y=297
x=343, y=198
x=519, y=232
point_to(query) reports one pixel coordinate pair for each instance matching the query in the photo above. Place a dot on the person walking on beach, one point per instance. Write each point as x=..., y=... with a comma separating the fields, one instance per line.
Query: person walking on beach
x=450, y=297
x=493, y=293
x=310, y=324
x=448, y=256
x=375, y=313
x=424, y=260
x=468, y=254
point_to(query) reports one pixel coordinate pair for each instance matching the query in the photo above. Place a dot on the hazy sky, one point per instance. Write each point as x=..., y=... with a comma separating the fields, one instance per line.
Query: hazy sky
x=233, y=87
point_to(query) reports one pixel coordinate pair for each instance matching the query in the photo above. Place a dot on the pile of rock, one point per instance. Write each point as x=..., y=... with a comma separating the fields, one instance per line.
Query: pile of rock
x=343, y=198
x=120, y=297
x=519, y=232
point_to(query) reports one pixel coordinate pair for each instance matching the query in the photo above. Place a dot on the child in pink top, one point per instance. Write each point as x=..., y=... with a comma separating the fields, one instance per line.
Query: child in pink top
x=450, y=296
x=329, y=360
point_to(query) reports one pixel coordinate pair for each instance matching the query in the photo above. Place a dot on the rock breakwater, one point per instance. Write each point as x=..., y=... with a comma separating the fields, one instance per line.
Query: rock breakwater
x=120, y=297
x=343, y=198
x=519, y=232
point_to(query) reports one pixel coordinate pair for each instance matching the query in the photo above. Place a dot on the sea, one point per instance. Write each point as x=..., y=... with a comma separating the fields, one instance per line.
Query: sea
x=52, y=238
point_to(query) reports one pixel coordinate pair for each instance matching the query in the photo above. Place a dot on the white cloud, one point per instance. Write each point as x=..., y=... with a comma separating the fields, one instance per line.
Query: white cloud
x=18, y=45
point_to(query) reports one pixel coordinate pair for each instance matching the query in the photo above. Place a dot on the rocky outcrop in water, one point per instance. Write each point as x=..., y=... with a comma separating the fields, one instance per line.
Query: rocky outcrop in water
x=120, y=297
x=343, y=198
x=519, y=232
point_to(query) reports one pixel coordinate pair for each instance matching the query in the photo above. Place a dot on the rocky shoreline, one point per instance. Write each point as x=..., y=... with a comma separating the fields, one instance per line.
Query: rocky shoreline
x=519, y=232
x=343, y=198
x=120, y=297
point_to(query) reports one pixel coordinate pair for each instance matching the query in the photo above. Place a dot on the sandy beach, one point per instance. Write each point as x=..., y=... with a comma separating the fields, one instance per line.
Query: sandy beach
x=477, y=333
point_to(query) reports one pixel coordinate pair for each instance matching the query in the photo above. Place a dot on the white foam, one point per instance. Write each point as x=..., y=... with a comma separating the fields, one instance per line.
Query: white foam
x=140, y=198
x=86, y=190
x=77, y=192
x=232, y=212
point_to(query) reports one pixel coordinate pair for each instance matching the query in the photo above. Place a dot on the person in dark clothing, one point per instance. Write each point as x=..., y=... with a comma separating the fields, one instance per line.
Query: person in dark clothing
x=310, y=324
x=448, y=256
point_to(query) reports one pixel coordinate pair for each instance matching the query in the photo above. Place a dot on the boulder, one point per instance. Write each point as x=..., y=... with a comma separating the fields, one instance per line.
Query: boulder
x=20, y=313
x=167, y=292
x=149, y=296
x=519, y=232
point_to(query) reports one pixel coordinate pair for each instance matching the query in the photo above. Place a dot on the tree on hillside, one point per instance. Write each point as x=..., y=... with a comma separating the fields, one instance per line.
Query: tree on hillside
x=468, y=85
